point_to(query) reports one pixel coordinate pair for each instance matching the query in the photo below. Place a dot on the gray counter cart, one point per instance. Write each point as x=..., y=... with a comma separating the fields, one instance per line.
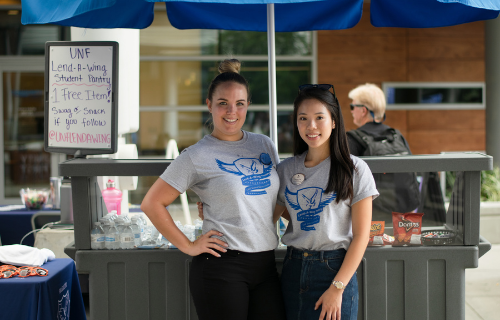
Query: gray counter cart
x=412, y=283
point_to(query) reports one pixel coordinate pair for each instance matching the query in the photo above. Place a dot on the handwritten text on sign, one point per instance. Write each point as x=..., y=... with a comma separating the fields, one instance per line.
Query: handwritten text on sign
x=80, y=82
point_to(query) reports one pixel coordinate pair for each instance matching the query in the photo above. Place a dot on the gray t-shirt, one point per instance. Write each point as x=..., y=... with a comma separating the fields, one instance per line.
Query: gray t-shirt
x=318, y=222
x=238, y=185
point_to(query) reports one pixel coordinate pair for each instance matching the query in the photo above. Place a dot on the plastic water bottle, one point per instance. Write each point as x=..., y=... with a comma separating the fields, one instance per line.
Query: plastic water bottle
x=165, y=243
x=189, y=232
x=142, y=215
x=140, y=223
x=105, y=227
x=104, y=220
x=127, y=236
x=97, y=237
x=119, y=224
x=198, y=228
x=112, y=215
x=137, y=231
x=112, y=197
x=112, y=237
x=155, y=236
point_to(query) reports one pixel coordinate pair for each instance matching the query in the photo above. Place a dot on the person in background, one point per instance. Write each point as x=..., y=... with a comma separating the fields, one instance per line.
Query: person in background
x=399, y=192
x=368, y=114
x=326, y=194
x=233, y=273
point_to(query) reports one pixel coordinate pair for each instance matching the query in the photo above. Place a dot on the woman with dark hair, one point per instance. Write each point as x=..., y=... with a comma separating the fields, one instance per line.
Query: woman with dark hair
x=327, y=194
x=233, y=273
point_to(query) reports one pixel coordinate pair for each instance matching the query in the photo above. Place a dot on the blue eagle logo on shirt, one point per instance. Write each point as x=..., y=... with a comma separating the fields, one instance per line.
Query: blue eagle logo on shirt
x=309, y=202
x=254, y=171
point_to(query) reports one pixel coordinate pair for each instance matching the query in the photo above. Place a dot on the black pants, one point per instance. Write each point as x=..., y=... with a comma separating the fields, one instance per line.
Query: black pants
x=236, y=286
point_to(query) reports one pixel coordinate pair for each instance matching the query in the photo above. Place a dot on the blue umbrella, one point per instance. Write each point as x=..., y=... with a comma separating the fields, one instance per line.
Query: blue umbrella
x=259, y=15
x=291, y=15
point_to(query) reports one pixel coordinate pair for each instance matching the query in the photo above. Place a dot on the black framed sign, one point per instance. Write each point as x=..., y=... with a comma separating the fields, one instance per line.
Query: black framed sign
x=81, y=97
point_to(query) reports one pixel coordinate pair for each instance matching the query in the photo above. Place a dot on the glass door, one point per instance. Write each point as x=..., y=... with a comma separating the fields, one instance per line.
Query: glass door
x=25, y=163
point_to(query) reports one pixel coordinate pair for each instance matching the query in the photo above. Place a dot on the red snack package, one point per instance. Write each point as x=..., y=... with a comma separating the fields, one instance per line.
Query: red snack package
x=388, y=240
x=376, y=233
x=407, y=229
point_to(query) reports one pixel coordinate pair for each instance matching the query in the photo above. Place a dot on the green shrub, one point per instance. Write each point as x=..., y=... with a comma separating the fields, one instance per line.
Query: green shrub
x=490, y=184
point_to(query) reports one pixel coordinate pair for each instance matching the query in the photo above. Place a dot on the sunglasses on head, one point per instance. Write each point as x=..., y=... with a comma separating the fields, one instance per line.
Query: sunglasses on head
x=325, y=87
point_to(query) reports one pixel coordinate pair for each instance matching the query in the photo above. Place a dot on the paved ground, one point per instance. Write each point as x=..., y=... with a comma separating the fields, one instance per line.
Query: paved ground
x=482, y=287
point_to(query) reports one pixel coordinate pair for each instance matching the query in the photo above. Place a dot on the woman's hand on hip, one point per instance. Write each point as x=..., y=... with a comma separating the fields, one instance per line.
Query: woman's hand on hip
x=331, y=303
x=207, y=244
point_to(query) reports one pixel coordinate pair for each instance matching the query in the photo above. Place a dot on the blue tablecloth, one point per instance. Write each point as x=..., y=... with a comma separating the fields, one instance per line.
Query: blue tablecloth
x=14, y=225
x=56, y=296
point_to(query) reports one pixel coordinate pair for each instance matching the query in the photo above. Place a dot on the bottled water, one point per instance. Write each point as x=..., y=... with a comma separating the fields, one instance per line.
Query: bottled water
x=189, y=232
x=155, y=236
x=142, y=215
x=139, y=221
x=103, y=221
x=119, y=224
x=113, y=215
x=143, y=224
x=146, y=236
x=198, y=228
x=127, y=236
x=137, y=231
x=105, y=226
x=97, y=237
x=165, y=242
x=112, y=237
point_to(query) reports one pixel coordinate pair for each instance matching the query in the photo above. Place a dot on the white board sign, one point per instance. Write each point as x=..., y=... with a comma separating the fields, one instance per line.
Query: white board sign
x=81, y=97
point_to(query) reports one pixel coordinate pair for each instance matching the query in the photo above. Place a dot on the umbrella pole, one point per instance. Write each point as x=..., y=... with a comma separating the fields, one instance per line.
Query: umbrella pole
x=273, y=118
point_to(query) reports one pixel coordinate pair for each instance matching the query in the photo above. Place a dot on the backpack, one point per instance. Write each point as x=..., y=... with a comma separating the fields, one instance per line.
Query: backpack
x=399, y=191
x=389, y=143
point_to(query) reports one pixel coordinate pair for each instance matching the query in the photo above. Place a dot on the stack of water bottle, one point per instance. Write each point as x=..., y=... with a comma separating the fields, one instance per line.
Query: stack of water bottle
x=121, y=232
x=115, y=231
x=192, y=232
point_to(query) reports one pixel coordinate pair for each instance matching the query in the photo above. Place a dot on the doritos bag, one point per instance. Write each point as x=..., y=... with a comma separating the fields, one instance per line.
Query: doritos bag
x=407, y=229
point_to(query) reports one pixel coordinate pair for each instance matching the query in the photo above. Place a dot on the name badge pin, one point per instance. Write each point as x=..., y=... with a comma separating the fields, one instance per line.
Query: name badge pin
x=298, y=178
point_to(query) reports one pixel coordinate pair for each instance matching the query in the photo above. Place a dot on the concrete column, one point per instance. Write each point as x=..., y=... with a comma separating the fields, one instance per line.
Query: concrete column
x=171, y=121
x=492, y=66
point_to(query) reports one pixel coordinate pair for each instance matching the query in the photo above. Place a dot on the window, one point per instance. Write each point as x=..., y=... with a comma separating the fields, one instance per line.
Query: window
x=177, y=67
x=25, y=163
x=434, y=96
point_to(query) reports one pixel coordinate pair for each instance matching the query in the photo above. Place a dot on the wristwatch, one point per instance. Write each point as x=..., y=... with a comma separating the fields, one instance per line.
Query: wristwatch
x=338, y=284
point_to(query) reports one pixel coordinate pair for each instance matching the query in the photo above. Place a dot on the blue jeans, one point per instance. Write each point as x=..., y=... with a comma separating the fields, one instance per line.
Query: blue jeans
x=307, y=275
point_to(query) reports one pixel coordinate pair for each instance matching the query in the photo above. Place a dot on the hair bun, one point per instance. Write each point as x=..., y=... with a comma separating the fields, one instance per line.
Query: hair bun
x=230, y=65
